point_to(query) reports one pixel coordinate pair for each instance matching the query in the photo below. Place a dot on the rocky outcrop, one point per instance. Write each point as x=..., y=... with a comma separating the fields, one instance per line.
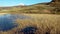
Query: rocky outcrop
x=55, y=3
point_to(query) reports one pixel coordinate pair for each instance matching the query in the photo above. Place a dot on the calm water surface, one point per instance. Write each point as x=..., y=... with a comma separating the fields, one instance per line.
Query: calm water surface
x=7, y=21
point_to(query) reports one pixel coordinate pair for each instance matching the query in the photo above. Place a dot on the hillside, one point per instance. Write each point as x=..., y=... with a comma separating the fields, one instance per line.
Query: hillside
x=37, y=8
x=56, y=4
x=52, y=7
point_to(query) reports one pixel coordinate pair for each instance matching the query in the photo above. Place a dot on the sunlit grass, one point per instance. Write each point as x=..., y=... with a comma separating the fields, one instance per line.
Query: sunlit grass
x=45, y=24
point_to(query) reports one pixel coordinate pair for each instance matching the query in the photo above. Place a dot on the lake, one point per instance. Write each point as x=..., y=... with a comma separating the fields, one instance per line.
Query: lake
x=7, y=21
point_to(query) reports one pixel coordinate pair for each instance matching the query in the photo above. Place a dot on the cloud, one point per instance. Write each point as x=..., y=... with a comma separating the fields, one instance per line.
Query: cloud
x=22, y=4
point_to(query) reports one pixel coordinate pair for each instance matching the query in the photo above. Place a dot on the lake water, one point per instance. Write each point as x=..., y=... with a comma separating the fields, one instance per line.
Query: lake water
x=7, y=21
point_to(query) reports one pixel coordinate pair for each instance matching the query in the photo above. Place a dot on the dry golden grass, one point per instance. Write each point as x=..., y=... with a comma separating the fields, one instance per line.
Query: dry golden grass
x=45, y=24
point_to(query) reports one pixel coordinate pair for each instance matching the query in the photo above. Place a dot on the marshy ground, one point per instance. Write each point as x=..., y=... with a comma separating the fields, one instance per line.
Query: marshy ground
x=30, y=24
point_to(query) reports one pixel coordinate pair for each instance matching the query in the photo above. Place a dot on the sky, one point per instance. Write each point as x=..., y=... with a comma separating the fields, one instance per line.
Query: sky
x=4, y=3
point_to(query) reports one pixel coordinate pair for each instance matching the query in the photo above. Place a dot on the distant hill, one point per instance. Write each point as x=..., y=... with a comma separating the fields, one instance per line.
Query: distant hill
x=41, y=8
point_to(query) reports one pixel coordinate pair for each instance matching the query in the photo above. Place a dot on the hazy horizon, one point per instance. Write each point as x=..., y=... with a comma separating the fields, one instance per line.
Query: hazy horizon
x=7, y=3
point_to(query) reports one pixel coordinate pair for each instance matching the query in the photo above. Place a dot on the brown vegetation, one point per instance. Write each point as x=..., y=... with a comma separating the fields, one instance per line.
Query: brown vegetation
x=45, y=24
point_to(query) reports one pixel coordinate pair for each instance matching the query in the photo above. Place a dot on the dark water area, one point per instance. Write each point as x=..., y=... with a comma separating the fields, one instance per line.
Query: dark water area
x=7, y=21
x=29, y=30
